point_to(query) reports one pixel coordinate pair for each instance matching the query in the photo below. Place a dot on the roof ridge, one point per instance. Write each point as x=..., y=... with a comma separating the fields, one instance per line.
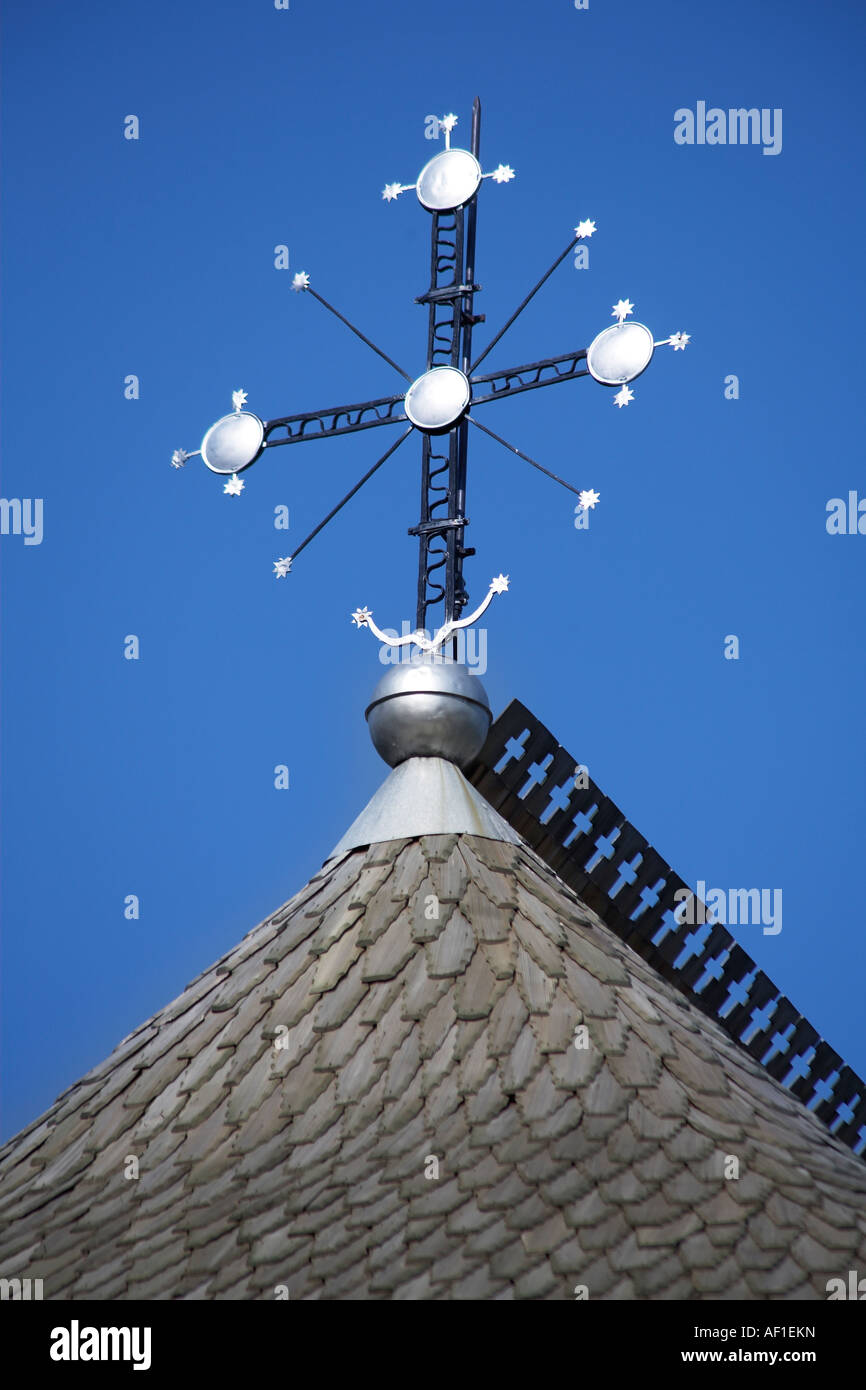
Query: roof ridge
x=522, y=795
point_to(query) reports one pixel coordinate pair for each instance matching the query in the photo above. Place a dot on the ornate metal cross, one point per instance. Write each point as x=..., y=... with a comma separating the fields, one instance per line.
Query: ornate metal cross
x=438, y=403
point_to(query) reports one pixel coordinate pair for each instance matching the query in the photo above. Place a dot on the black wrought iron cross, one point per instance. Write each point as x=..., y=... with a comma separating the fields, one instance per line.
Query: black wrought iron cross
x=440, y=403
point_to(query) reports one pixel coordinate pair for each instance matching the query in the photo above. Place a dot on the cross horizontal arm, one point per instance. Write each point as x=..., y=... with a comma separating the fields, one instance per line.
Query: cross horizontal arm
x=512, y=380
x=338, y=419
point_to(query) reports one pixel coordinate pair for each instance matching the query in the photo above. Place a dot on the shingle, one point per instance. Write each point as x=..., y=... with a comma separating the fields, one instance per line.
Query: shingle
x=476, y=1066
x=507, y=1021
x=593, y=998
x=499, y=888
x=602, y=965
x=449, y=877
x=546, y=1236
x=477, y=1286
x=476, y=992
x=442, y=1064
x=404, y=1066
x=604, y=1095
x=382, y=909
x=409, y=873
x=537, y=943
x=522, y=1062
x=540, y=1098
x=501, y=956
x=421, y=994
x=535, y=987
x=777, y=1282
x=555, y=1030
x=490, y=923
x=511, y=1261
x=337, y=958
x=576, y=1067
x=452, y=950
x=536, y=1283
x=387, y=956
x=552, y=1118
x=369, y=881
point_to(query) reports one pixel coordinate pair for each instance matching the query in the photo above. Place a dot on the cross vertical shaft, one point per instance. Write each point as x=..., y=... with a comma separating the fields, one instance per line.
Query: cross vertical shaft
x=450, y=300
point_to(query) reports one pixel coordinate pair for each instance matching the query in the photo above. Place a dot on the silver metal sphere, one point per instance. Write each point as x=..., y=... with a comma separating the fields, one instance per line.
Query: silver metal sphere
x=437, y=399
x=429, y=708
x=448, y=180
x=233, y=443
x=620, y=353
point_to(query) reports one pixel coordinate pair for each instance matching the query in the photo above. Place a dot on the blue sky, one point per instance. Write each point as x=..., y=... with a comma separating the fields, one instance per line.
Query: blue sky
x=155, y=257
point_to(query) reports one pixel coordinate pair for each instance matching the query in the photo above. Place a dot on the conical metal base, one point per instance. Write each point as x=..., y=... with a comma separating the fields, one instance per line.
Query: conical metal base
x=425, y=796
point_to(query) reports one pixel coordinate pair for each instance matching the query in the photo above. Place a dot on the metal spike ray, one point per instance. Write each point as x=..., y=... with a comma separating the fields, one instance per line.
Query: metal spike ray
x=437, y=403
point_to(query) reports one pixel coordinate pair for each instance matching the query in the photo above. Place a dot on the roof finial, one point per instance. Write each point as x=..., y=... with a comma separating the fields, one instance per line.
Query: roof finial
x=429, y=707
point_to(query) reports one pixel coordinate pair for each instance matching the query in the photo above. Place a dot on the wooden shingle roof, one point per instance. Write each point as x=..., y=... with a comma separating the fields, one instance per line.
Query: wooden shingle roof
x=416, y=1008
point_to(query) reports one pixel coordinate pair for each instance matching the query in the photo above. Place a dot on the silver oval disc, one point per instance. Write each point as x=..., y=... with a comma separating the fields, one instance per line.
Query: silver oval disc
x=437, y=399
x=233, y=442
x=448, y=180
x=620, y=353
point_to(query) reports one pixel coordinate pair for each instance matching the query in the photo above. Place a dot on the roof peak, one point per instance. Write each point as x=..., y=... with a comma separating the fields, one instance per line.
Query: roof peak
x=435, y=1073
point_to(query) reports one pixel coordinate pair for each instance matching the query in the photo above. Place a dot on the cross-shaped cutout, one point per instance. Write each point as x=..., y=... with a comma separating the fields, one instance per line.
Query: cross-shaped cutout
x=738, y=993
x=513, y=749
x=713, y=970
x=559, y=799
x=582, y=824
x=536, y=775
x=778, y=1045
x=799, y=1066
x=668, y=923
x=758, y=1023
x=648, y=898
x=692, y=945
x=823, y=1090
x=604, y=849
x=627, y=873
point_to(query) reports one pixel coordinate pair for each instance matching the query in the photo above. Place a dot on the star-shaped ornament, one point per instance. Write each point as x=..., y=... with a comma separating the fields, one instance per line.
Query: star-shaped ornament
x=499, y=585
x=588, y=499
x=361, y=615
x=678, y=341
x=392, y=191
x=301, y=281
x=448, y=122
x=621, y=309
x=585, y=228
x=623, y=396
x=282, y=567
x=234, y=487
x=179, y=458
x=239, y=399
x=503, y=173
